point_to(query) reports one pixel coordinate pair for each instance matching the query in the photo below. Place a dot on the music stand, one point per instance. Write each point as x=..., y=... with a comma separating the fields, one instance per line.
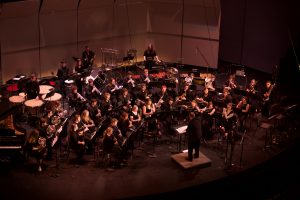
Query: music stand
x=50, y=94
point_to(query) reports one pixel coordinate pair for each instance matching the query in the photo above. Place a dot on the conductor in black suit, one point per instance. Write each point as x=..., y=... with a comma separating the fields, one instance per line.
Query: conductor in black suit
x=194, y=133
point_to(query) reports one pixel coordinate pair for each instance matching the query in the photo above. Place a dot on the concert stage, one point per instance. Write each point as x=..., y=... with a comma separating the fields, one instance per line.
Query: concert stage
x=200, y=162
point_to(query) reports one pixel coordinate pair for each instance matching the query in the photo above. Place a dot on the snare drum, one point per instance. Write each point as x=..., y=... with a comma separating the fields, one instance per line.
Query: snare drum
x=45, y=89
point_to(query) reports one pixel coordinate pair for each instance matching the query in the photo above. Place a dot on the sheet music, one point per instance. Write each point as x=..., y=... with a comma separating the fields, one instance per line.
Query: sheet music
x=181, y=129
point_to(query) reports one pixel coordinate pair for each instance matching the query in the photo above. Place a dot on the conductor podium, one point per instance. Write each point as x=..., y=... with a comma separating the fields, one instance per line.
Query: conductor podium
x=181, y=157
x=201, y=162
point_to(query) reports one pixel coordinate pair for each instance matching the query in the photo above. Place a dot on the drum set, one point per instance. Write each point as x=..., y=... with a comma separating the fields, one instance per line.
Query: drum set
x=32, y=107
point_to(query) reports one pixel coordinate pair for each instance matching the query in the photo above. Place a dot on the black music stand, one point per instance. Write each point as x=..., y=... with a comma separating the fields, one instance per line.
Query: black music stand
x=50, y=94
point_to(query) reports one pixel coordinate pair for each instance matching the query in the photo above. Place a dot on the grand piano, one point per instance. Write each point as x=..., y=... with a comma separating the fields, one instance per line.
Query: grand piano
x=11, y=139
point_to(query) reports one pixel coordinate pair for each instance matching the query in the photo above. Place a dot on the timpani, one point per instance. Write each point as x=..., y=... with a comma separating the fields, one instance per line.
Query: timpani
x=16, y=99
x=33, y=106
x=55, y=97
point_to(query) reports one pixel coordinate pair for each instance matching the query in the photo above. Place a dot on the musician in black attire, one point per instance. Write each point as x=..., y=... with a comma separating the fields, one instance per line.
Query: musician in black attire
x=135, y=116
x=88, y=57
x=226, y=97
x=109, y=140
x=231, y=83
x=91, y=91
x=207, y=122
x=204, y=98
x=63, y=71
x=143, y=94
x=150, y=57
x=79, y=69
x=75, y=99
x=116, y=131
x=267, y=98
x=124, y=124
x=228, y=121
x=128, y=82
x=194, y=133
x=95, y=112
x=145, y=77
x=162, y=95
x=186, y=93
x=77, y=136
x=243, y=108
x=62, y=74
x=32, y=88
x=124, y=100
x=105, y=104
x=252, y=87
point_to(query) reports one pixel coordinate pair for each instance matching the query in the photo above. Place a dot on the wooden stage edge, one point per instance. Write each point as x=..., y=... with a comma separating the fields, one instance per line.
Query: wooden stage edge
x=201, y=162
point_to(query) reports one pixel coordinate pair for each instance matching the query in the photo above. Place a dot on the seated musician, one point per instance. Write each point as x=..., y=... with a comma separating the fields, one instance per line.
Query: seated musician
x=231, y=83
x=162, y=96
x=105, y=104
x=148, y=110
x=189, y=79
x=167, y=116
x=32, y=88
x=170, y=77
x=145, y=77
x=243, y=109
x=124, y=100
x=136, y=120
x=135, y=116
x=116, y=131
x=36, y=146
x=86, y=120
x=109, y=140
x=186, y=93
x=210, y=82
x=90, y=129
x=204, y=98
x=252, y=87
x=75, y=99
x=95, y=112
x=47, y=130
x=194, y=107
x=207, y=121
x=112, y=87
x=228, y=120
x=77, y=136
x=57, y=109
x=124, y=124
x=129, y=83
x=142, y=95
x=267, y=98
x=91, y=91
x=226, y=97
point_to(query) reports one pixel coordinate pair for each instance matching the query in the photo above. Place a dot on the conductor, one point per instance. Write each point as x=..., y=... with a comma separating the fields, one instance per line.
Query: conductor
x=194, y=132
